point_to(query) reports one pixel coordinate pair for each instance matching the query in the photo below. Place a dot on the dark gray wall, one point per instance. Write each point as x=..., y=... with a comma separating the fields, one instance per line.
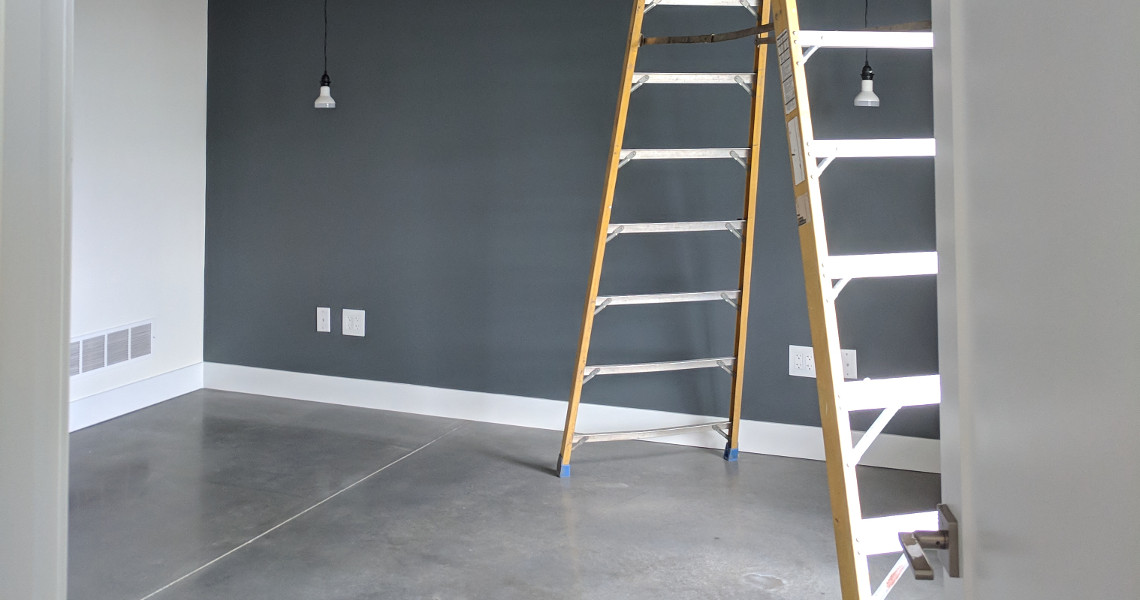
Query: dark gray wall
x=454, y=191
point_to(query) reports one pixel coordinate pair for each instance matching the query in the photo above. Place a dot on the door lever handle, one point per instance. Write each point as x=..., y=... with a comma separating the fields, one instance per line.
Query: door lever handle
x=915, y=542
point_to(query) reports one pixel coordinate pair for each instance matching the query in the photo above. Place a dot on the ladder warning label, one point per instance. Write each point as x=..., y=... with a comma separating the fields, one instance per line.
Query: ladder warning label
x=787, y=83
x=796, y=149
x=803, y=209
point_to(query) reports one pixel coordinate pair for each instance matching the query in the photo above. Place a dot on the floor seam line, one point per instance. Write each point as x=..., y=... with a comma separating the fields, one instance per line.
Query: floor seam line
x=298, y=515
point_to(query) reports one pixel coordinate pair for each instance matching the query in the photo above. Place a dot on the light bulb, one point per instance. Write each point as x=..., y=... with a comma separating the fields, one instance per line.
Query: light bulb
x=325, y=99
x=866, y=95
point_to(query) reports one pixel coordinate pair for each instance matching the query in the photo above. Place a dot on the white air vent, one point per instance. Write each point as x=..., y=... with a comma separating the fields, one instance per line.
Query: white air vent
x=94, y=353
x=140, y=340
x=119, y=346
x=108, y=348
x=73, y=355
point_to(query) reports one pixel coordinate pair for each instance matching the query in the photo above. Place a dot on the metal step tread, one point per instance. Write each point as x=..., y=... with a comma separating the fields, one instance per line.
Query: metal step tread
x=871, y=148
x=899, y=264
x=694, y=78
x=894, y=392
x=880, y=535
x=667, y=298
x=679, y=153
x=655, y=367
x=899, y=40
x=674, y=227
x=612, y=436
x=737, y=3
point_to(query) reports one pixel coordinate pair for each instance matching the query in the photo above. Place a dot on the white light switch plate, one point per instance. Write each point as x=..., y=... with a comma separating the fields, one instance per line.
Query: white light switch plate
x=324, y=319
x=352, y=322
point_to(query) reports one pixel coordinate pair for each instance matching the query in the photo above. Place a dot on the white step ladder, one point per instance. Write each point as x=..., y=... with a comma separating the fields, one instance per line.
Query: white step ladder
x=825, y=276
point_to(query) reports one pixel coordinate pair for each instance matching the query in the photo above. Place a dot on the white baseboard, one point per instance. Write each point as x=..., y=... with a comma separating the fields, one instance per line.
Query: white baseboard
x=96, y=408
x=797, y=441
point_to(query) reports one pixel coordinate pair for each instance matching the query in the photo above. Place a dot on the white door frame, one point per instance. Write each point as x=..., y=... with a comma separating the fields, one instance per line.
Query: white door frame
x=35, y=252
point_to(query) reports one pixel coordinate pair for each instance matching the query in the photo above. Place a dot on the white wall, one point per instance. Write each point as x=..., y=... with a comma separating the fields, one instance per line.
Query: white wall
x=35, y=45
x=1038, y=126
x=139, y=180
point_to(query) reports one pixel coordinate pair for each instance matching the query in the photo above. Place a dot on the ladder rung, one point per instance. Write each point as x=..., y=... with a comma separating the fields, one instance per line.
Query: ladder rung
x=582, y=438
x=895, y=392
x=664, y=154
x=752, y=3
x=900, y=264
x=733, y=295
x=880, y=535
x=655, y=367
x=902, y=40
x=723, y=78
x=887, y=148
x=624, y=228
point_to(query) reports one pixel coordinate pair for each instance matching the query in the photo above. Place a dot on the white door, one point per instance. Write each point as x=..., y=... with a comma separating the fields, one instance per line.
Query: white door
x=1037, y=116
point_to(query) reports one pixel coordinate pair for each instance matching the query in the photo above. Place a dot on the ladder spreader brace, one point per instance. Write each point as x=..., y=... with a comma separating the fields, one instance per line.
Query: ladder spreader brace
x=753, y=83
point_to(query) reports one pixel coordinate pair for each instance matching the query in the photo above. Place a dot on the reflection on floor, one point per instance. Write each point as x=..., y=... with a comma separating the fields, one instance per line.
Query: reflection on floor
x=232, y=496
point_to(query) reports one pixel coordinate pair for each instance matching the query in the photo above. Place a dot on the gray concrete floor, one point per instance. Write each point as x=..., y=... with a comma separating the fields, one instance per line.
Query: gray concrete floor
x=232, y=496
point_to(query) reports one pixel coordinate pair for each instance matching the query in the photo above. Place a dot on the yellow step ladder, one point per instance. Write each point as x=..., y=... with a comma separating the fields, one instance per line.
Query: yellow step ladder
x=619, y=156
x=825, y=275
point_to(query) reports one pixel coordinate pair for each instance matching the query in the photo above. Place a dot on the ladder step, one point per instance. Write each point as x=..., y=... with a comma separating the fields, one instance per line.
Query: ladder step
x=900, y=264
x=887, y=148
x=733, y=295
x=582, y=438
x=895, y=392
x=656, y=367
x=880, y=535
x=902, y=40
x=663, y=154
x=698, y=78
x=737, y=3
x=624, y=228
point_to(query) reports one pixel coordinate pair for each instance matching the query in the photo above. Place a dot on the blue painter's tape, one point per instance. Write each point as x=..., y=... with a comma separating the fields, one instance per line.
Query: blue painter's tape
x=731, y=454
x=564, y=471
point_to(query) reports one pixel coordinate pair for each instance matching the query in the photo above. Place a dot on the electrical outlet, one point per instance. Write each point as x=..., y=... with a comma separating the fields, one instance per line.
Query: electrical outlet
x=352, y=322
x=801, y=362
x=324, y=319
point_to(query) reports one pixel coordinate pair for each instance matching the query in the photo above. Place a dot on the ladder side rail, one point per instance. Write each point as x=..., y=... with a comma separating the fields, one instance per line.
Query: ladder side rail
x=842, y=484
x=764, y=17
x=633, y=44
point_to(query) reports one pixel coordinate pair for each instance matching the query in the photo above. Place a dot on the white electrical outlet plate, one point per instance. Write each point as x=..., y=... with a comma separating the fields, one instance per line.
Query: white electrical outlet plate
x=324, y=319
x=352, y=322
x=801, y=362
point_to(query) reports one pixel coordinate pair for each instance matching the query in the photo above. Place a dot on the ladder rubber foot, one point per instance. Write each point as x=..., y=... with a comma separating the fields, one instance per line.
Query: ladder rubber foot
x=731, y=454
x=561, y=469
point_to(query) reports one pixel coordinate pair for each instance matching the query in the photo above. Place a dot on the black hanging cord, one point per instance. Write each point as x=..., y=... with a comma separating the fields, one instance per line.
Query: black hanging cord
x=326, y=75
x=865, y=51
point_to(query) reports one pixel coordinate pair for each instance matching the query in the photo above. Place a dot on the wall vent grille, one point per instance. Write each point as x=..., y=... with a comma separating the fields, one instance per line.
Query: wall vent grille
x=111, y=347
x=140, y=340
x=73, y=358
x=94, y=353
x=118, y=347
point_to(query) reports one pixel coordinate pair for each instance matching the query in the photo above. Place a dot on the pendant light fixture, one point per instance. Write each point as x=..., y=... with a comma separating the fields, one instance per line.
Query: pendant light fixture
x=325, y=100
x=866, y=95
